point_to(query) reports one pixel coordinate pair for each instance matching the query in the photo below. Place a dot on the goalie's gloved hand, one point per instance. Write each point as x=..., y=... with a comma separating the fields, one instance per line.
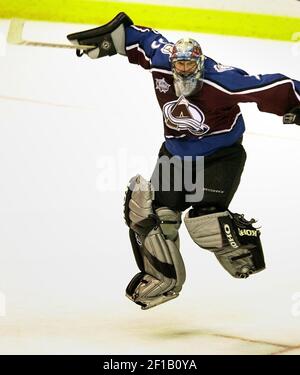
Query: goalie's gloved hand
x=95, y=53
x=293, y=116
x=107, y=40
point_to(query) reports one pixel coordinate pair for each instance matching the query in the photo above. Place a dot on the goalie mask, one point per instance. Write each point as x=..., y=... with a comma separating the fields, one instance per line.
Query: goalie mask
x=187, y=66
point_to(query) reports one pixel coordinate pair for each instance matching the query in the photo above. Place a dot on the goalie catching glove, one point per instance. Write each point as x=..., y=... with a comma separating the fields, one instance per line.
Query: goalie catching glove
x=108, y=39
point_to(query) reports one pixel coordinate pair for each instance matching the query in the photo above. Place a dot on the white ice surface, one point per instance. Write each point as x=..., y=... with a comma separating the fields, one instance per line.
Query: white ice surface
x=65, y=259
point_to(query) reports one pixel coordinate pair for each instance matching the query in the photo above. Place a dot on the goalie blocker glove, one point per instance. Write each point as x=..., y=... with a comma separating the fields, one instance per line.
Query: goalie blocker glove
x=292, y=117
x=108, y=39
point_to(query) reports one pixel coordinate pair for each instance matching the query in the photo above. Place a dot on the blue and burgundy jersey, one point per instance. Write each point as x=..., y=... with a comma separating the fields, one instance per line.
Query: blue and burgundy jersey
x=201, y=124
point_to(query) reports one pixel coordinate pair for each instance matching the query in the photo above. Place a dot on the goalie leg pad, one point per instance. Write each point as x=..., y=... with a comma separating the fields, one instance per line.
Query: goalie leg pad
x=155, y=241
x=138, y=211
x=234, y=241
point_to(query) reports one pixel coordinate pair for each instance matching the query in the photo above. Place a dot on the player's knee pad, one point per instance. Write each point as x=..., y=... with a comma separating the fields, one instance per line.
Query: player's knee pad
x=232, y=238
x=155, y=242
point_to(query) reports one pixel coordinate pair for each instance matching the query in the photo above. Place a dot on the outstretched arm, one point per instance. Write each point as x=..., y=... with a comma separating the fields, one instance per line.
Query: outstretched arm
x=273, y=93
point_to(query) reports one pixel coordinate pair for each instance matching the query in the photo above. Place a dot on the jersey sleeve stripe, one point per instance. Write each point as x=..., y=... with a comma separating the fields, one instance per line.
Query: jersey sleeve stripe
x=250, y=90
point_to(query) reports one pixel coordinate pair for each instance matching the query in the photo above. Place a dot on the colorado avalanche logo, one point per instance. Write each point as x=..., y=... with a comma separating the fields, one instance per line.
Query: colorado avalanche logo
x=181, y=115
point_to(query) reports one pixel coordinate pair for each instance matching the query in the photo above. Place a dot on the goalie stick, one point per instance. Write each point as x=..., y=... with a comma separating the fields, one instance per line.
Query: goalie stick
x=15, y=33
